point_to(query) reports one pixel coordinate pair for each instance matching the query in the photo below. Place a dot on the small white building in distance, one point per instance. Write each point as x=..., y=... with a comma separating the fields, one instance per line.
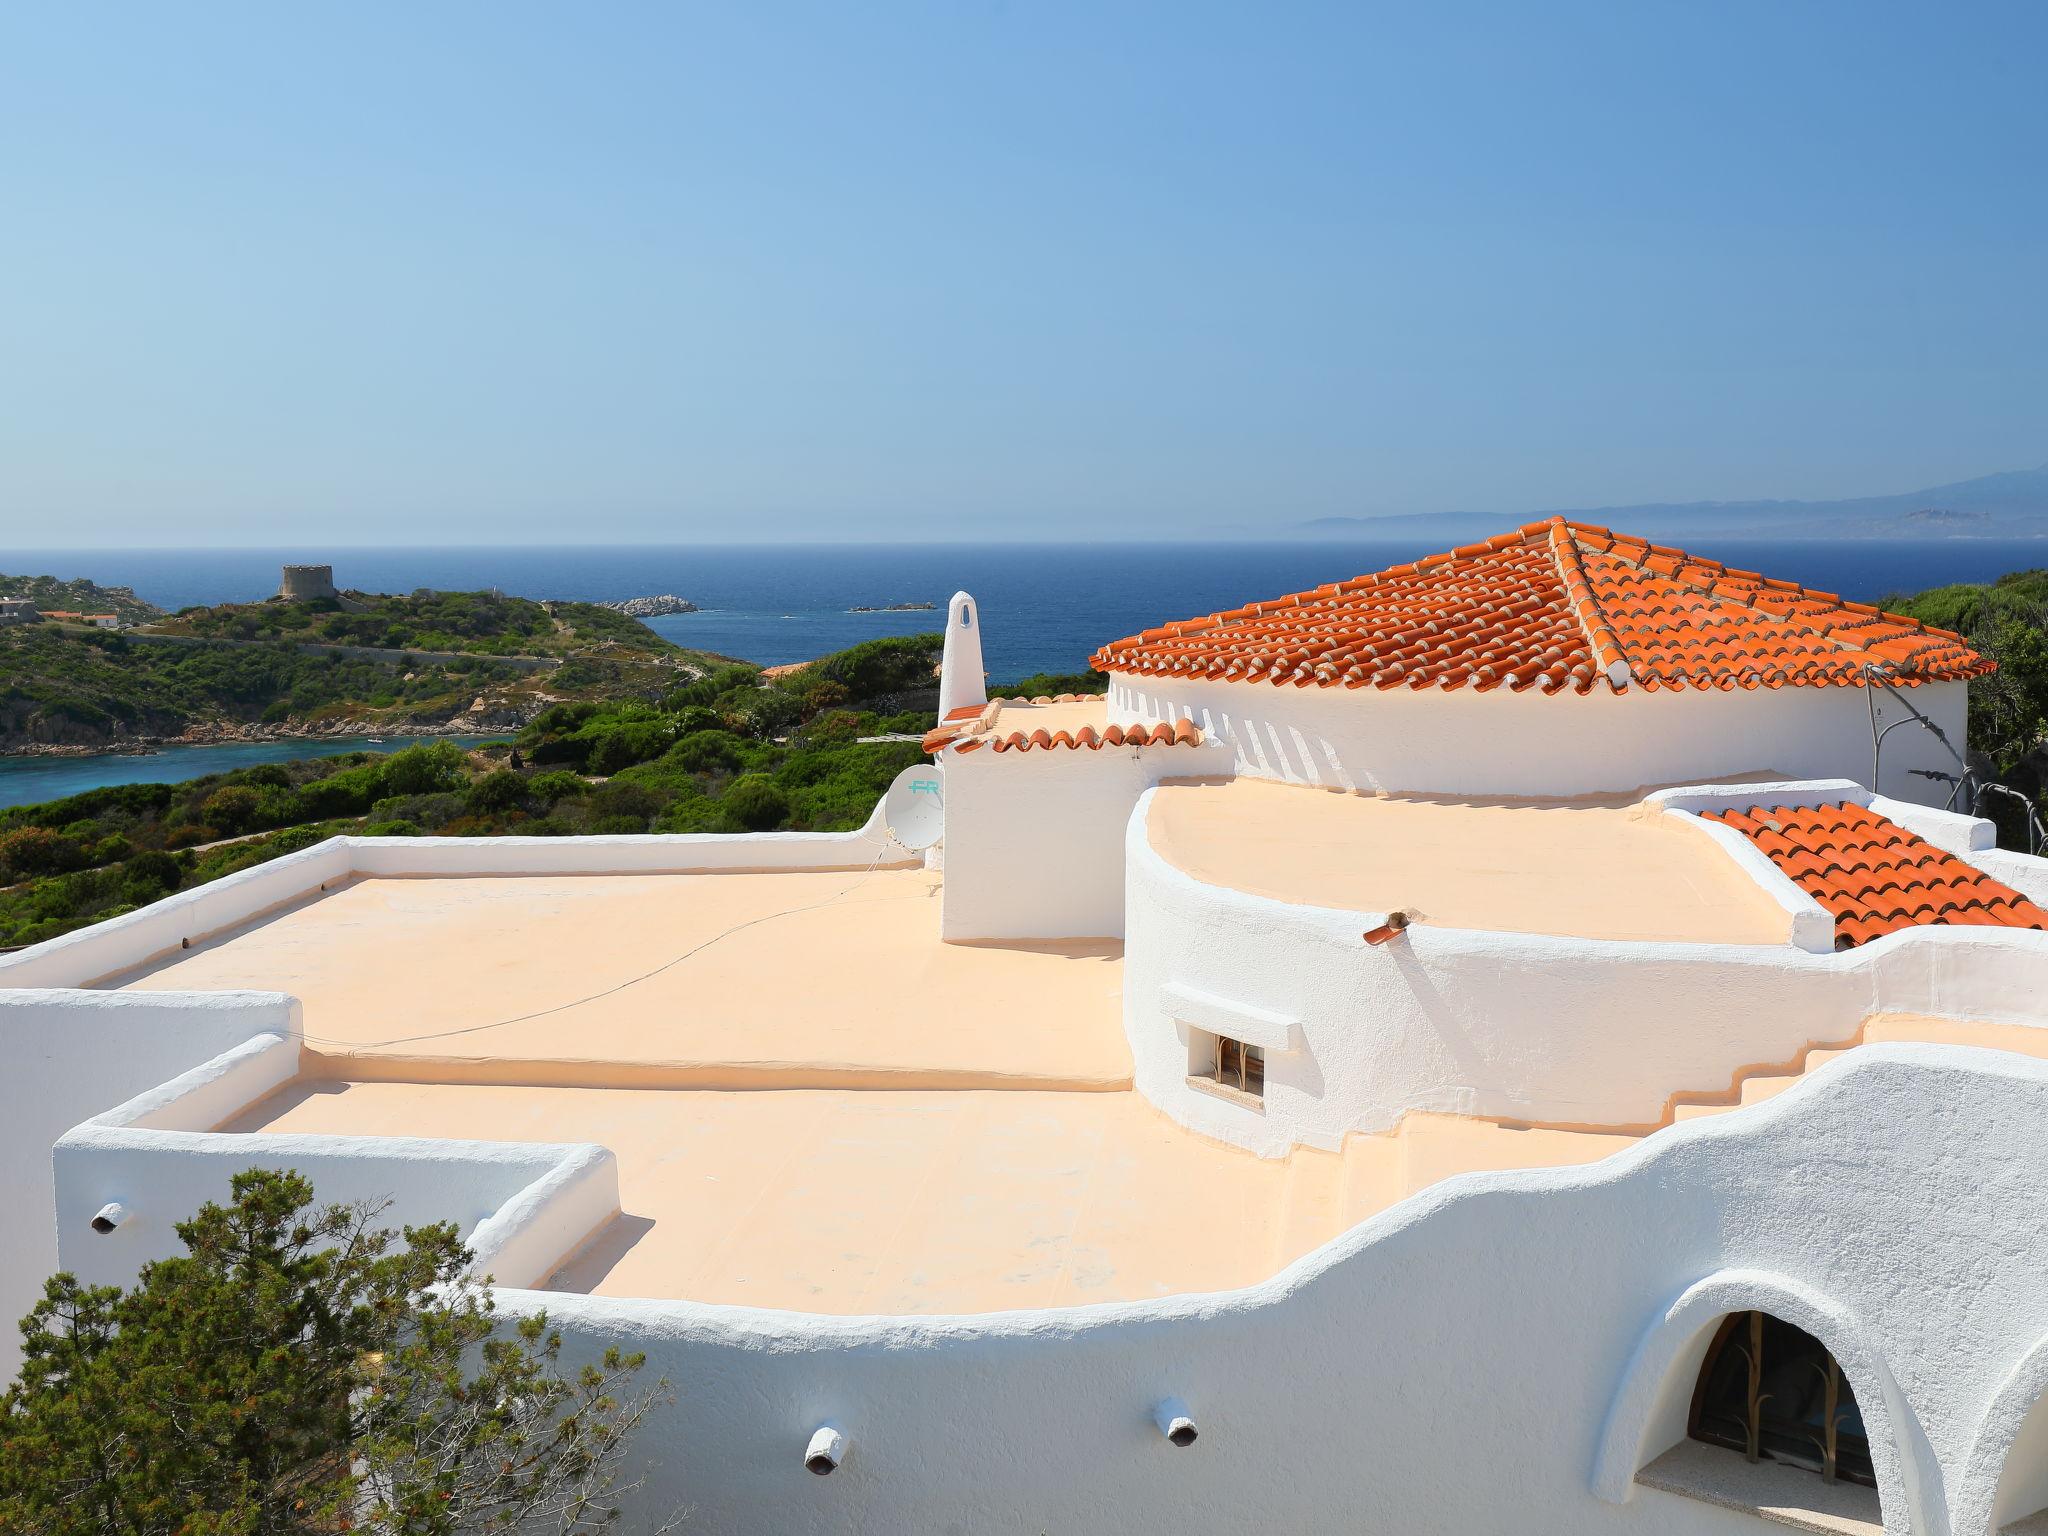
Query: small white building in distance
x=1527, y=1041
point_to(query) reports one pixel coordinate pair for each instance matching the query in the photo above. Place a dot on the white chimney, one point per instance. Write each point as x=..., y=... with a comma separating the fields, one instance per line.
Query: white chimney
x=961, y=678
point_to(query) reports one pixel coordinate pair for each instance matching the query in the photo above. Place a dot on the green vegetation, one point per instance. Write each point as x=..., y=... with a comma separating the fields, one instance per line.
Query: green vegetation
x=1053, y=684
x=725, y=751
x=81, y=596
x=477, y=623
x=298, y=1372
x=2006, y=620
x=68, y=688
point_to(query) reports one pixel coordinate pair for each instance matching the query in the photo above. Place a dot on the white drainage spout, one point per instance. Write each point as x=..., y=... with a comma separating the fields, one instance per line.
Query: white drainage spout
x=108, y=1217
x=826, y=1450
x=1175, y=1422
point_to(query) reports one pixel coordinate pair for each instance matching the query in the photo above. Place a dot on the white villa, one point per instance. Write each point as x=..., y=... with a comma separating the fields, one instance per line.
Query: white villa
x=1529, y=1041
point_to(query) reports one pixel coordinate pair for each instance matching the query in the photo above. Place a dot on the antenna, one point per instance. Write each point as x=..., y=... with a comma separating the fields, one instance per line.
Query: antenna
x=914, y=809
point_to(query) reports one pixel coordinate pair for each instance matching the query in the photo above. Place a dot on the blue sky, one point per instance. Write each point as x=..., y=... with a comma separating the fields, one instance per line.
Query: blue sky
x=460, y=273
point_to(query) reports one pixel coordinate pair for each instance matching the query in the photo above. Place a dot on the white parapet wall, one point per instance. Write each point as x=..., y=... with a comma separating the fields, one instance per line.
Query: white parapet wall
x=89, y=955
x=71, y=1054
x=521, y=1206
x=1498, y=1354
x=66, y=1055
x=1552, y=1030
x=1034, y=839
x=1500, y=742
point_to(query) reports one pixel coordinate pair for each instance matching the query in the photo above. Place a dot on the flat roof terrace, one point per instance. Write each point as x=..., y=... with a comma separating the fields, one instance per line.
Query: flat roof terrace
x=1598, y=868
x=851, y=1202
x=719, y=980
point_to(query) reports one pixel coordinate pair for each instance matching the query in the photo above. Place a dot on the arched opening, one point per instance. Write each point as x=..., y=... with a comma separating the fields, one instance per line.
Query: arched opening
x=1773, y=1392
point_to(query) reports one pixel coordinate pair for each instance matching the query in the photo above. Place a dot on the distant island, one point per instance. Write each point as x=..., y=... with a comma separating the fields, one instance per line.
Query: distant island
x=651, y=607
x=893, y=608
x=2009, y=505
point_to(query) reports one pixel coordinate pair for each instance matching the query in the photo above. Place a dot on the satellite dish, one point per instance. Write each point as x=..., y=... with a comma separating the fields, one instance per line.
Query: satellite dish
x=914, y=810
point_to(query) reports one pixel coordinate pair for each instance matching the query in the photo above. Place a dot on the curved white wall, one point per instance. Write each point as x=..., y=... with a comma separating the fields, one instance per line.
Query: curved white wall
x=1450, y=1365
x=1519, y=1026
x=1503, y=743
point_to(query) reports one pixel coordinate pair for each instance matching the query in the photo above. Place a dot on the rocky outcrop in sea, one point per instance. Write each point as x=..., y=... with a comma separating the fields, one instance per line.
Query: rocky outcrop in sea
x=651, y=607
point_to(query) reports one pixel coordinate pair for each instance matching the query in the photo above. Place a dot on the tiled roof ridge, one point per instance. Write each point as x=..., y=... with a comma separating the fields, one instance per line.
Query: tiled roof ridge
x=1554, y=604
x=1644, y=555
x=1578, y=591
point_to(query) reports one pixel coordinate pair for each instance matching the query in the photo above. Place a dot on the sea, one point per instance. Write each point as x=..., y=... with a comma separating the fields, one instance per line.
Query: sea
x=1044, y=607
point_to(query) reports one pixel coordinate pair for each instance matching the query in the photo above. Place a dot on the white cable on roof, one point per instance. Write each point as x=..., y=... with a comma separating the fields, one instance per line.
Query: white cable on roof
x=541, y=1013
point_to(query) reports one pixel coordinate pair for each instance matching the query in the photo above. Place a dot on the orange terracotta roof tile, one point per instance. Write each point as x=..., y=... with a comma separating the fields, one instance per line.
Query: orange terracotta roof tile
x=1874, y=875
x=1552, y=605
x=983, y=727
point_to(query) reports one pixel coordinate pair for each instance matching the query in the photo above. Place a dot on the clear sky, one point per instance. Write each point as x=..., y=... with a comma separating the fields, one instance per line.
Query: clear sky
x=452, y=273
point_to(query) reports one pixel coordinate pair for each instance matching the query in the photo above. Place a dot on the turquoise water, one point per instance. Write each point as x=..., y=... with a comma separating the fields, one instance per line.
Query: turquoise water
x=26, y=780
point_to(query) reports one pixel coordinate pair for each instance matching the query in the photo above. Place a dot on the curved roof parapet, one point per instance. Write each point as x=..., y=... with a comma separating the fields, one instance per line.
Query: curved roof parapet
x=1554, y=605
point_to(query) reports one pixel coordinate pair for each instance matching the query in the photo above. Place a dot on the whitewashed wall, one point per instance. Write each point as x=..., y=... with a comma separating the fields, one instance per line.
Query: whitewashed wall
x=1522, y=1026
x=67, y=1055
x=105, y=949
x=521, y=1206
x=1034, y=839
x=1464, y=742
x=1468, y=1361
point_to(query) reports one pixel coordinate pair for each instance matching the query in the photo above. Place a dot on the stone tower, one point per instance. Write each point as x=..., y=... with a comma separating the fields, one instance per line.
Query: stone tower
x=302, y=583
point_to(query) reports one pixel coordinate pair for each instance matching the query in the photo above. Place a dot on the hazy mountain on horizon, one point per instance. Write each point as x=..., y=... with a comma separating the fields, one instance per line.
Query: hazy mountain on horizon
x=2009, y=505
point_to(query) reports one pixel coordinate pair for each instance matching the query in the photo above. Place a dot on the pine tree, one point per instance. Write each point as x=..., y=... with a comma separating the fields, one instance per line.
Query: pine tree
x=302, y=1371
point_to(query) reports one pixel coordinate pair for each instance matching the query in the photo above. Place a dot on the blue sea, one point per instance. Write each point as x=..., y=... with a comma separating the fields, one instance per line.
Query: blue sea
x=1044, y=607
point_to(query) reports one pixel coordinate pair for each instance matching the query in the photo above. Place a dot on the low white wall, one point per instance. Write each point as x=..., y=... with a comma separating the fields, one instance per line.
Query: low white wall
x=1034, y=839
x=1529, y=743
x=522, y=1206
x=82, y=957
x=1519, y=1026
x=1456, y=1364
x=652, y=854
x=105, y=949
x=67, y=1055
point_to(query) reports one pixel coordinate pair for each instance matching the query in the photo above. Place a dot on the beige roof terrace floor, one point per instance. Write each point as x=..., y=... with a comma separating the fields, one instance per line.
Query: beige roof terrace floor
x=1593, y=868
x=822, y=1200
x=840, y=979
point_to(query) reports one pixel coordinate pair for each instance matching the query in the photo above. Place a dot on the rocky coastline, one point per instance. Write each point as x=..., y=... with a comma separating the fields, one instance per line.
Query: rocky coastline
x=227, y=733
x=651, y=607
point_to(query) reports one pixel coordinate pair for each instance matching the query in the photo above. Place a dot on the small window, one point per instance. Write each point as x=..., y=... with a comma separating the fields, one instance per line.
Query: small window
x=1219, y=1063
x=1773, y=1392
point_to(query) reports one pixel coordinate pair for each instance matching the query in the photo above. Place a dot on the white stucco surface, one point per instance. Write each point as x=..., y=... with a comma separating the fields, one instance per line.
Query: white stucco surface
x=1034, y=840
x=1501, y=742
x=69, y=1055
x=1548, y=1029
x=1456, y=1364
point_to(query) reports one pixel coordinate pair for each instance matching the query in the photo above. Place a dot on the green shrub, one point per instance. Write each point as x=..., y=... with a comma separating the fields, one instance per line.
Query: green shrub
x=1053, y=684
x=232, y=809
x=399, y=828
x=34, y=851
x=755, y=803
x=496, y=792
x=547, y=788
x=148, y=876
x=424, y=769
